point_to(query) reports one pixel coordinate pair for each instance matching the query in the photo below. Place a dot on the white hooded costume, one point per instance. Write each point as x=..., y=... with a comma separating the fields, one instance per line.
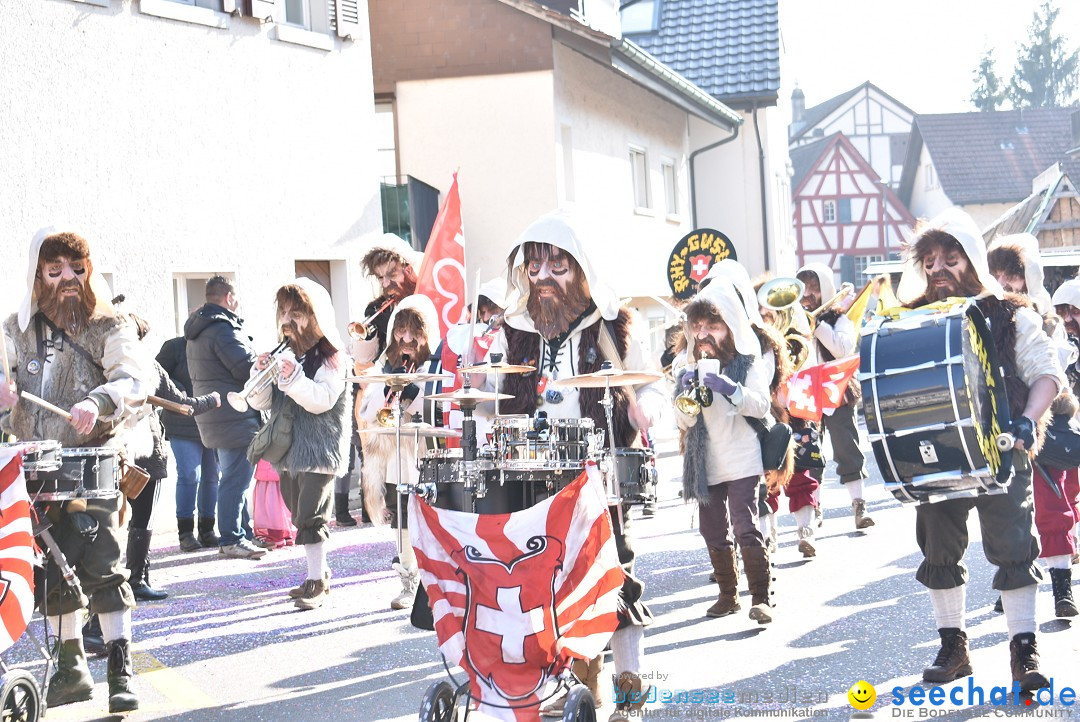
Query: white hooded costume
x=566, y=231
x=364, y=351
x=1068, y=293
x=734, y=450
x=838, y=338
x=735, y=272
x=1028, y=246
x=380, y=457
x=129, y=369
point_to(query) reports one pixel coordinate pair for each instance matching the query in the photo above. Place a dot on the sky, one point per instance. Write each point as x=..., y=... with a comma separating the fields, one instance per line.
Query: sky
x=921, y=52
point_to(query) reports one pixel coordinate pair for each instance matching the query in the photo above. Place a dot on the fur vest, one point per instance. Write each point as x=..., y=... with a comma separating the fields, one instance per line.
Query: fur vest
x=320, y=442
x=524, y=348
x=72, y=377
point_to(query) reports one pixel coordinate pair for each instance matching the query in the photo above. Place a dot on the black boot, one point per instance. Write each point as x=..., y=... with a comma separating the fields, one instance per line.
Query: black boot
x=72, y=681
x=1025, y=663
x=93, y=641
x=759, y=578
x=186, y=529
x=952, y=661
x=121, y=696
x=207, y=537
x=341, y=510
x=1064, y=605
x=138, y=561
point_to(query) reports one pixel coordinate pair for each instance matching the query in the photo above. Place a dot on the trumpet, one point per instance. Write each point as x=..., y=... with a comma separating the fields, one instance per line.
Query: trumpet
x=387, y=415
x=694, y=399
x=259, y=382
x=846, y=289
x=362, y=330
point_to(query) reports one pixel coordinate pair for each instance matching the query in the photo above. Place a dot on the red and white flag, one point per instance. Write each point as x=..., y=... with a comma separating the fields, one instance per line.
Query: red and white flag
x=442, y=274
x=817, y=389
x=16, y=549
x=516, y=596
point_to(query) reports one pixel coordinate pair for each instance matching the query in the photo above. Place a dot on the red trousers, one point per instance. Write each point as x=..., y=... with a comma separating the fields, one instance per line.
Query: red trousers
x=801, y=491
x=1055, y=513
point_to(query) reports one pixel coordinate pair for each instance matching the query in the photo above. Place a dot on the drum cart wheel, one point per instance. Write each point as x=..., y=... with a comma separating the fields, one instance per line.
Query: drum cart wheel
x=20, y=698
x=440, y=704
x=580, y=705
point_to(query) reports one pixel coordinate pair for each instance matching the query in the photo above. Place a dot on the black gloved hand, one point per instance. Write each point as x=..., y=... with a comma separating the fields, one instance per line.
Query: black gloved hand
x=409, y=393
x=1023, y=429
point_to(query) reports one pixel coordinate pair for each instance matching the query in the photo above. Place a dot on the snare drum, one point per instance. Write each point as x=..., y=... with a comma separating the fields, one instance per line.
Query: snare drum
x=636, y=472
x=524, y=443
x=86, y=473
x=933, y=399
x=41, y=459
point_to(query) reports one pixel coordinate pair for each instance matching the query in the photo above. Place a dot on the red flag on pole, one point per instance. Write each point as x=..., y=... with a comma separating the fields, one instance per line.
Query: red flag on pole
x=442, y=274
x=817, y=389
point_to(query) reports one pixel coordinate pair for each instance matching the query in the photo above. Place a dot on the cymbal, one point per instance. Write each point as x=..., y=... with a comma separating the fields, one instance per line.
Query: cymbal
x=604, y=377
x=414, y=429
x=464, y=395
x=398, y=380
x=497, y=366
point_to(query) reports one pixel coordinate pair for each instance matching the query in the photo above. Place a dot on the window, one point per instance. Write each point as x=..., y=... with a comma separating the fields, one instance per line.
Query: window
x=189, y=293
x=385, y=143
x=639, y=16
x=639, y=168
x=931, y=181
x=844, y=207
x=296, y=13
x=568, y=163
x=830, y=212
x=861, y=263
x=671, y=186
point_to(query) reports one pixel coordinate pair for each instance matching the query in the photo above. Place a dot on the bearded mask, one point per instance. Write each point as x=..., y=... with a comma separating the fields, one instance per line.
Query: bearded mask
x=414, y=351
x=66, y=311
x=558, y=290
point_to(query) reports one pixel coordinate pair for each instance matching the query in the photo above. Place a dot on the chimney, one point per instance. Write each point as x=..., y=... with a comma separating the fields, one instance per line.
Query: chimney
x=798, y=107
x=1074, y=150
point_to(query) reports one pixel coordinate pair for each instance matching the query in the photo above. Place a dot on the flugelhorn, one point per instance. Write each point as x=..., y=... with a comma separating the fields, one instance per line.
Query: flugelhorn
x=361, y=330
x=846, y=289
x=694, y=399
x=259, y=382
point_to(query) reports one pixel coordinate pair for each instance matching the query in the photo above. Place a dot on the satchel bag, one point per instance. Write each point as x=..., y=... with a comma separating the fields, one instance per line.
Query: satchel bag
x=774, y=441
x=1061, y=445
x=273, y=439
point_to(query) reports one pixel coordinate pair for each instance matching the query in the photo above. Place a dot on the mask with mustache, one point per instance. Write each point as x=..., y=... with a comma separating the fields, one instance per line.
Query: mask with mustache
x=553, y=314
x=299, y=341
x=71, y=313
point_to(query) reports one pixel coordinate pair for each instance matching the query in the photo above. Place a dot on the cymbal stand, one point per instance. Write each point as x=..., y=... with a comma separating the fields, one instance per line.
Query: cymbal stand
x=473, y=483
x=608, y=402
x=402, y=487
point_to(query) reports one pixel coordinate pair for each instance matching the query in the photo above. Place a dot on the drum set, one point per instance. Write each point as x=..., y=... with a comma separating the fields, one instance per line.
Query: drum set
x=53, y=475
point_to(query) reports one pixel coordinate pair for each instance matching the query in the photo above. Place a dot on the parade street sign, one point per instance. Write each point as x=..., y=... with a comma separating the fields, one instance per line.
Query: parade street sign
x=693, y=256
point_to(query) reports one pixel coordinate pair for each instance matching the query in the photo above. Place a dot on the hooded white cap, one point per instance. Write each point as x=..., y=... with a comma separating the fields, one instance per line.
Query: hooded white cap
x=424, y=306
x=323, y=309
x=562, y=230
x=722, y=296
x=825, y=276
x=1028, y=246
x=960, y=226
x=495, y=289
x=1068, y=293
x=733, y=271
x=29, y=306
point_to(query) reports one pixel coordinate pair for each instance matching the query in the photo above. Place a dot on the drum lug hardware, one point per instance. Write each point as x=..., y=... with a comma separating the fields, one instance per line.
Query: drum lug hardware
x=928, y=452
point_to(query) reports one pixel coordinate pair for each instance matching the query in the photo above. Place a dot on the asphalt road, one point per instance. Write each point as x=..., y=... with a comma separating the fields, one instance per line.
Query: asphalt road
x=227, y=645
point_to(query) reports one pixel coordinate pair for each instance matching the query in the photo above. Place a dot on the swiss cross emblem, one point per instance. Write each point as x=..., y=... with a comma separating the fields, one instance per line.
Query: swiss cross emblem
x=509, y=624
x=699, y=266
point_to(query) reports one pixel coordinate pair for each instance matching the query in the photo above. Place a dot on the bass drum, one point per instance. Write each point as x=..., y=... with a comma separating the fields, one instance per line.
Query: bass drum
x=935, y=404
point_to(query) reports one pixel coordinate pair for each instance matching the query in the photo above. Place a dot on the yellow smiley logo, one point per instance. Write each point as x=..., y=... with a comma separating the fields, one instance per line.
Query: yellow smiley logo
x=861, y=695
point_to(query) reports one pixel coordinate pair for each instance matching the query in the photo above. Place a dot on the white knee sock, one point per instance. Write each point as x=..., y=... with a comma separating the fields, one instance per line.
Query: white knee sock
x=628, y=647
x=804, y=516
x=1019, y=606
x=316, y=560
x=68, y=626
x=763, y=525
x=854, y=489
x=115, y=625
x=407, y=557
x=949, y=606
x=1061, y=561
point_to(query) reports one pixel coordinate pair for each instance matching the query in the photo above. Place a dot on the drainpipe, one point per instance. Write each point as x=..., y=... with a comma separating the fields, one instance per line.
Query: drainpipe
x=761, y=173
x=693, y=183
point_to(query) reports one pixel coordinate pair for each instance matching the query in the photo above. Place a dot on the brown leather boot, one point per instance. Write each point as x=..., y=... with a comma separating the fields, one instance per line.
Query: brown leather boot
x=727, y=576
x=759, y=579
x=631, y=694
x=806, y=533
x=862, y=519
x=952, y=661
x=1024, y=659
x=589, y=674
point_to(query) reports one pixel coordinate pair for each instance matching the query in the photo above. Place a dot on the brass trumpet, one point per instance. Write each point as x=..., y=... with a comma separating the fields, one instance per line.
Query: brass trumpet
x=846, y=289
x=694, y=399
x=363, y=330
x=259, y=382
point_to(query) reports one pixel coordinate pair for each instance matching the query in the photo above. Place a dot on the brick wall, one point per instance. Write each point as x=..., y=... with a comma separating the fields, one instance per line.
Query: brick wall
x=424, y=39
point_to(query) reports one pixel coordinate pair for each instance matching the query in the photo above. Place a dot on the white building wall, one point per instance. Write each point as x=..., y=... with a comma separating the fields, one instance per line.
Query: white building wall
x=176, y=147
x=497, y=131
x=605, y=115
x=927, y=196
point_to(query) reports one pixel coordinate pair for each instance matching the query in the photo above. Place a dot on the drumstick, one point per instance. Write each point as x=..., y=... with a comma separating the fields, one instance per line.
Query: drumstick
x=182, y=409
x=45, y=404
x=3, y=350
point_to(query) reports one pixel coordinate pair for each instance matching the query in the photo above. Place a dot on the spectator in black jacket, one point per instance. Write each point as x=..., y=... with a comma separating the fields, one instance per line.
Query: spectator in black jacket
x=196, y=465
x=220, y=356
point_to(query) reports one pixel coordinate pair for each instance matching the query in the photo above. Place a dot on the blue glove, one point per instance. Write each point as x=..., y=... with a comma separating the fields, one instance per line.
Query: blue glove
x=686, y=379
x=721, y=384
x=1023, y=429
